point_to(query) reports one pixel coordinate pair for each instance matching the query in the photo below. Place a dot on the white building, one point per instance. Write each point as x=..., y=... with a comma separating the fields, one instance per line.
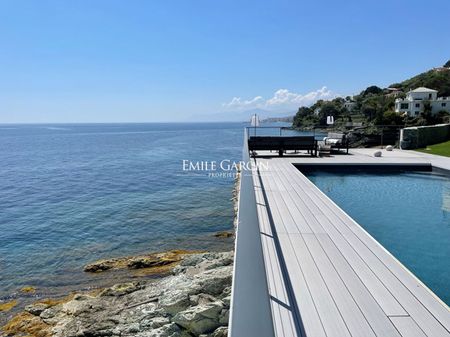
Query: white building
x=350, y=106
x=413, y=104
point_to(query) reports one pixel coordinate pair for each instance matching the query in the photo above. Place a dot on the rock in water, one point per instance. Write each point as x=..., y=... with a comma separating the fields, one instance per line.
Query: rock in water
x=159, y=262
x=6, y=306
x=224, y=234
x=194, y=301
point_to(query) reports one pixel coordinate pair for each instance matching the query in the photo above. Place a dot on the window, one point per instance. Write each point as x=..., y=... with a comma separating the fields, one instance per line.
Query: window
x=443, y=105
x=404, y=106
x=417, y=113
x=429, y=96
x=417, y=105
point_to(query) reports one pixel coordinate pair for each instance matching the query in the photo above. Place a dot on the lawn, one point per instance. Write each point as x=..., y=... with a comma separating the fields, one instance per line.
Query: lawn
x=442, y=149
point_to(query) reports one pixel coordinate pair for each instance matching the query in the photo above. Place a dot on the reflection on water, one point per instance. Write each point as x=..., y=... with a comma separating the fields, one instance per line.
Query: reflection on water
x=446, y=197
x=70, y=194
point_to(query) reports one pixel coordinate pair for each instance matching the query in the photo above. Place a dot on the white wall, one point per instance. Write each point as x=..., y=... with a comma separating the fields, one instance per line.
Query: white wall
x=441, y=104
x=431, y=96
x=437, y=105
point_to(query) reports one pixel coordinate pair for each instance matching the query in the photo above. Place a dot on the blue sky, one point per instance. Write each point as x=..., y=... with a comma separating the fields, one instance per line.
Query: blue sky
x=168, y=60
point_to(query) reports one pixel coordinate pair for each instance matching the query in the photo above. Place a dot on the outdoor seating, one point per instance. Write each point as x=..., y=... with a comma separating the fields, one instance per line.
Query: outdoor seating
x=283, y=144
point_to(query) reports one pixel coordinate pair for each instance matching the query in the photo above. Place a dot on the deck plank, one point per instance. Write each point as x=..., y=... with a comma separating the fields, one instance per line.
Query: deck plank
x=415, y=298
x=349, y=310
x=407, y=327
x=328, y=275
x=329, y=314
x=282, y=312
x=370, y=308
x=393, y=275
x=385, y=299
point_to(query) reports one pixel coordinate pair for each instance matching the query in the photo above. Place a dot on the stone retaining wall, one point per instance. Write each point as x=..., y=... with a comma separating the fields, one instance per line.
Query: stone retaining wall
x=421, y=136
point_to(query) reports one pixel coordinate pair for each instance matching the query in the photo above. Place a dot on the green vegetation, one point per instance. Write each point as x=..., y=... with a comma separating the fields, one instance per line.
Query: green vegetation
x=439, y=80
x=375, y=105
x=442, y=149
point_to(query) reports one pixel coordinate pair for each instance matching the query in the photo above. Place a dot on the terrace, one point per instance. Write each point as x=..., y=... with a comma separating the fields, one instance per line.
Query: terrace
x=304, y=267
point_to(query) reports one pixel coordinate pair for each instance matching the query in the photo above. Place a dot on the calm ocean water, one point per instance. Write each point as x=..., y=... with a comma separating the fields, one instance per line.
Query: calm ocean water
x=71, y=194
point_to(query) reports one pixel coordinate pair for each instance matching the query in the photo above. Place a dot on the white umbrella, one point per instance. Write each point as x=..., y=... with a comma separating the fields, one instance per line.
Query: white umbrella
x=254, y=121
x=330, y=120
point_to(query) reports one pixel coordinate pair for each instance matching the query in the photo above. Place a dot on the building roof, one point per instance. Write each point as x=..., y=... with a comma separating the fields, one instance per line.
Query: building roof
x=423, y=89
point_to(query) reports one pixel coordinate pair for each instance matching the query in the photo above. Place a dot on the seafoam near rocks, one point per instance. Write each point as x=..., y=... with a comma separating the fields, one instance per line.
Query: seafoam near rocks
x=194, y=301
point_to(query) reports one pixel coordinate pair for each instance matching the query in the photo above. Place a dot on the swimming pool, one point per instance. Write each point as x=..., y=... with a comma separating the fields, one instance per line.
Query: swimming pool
x=407, y=212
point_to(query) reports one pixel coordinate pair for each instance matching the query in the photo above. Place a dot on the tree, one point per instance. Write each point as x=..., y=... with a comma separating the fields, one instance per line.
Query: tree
x=304, y=111
x=428, y=116
x=373, y=89
x=304, y=117
x=391, y=118
x=369, y=111
x=328, y=109
x=447, y=65
x=427, y=107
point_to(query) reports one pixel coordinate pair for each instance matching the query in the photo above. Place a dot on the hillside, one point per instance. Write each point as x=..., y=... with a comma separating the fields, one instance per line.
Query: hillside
x=375, y=105
x=438, y=79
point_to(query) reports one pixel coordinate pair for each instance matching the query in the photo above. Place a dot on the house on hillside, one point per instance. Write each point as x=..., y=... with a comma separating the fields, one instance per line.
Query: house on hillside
x=350, y=106
x=415, y=100
x=393, y=92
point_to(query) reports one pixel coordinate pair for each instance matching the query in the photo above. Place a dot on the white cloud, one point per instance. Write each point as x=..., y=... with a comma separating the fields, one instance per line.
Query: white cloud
x=282, y=99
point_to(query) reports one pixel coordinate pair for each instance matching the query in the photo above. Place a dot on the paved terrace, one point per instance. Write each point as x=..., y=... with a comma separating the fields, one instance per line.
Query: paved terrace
x=327, y=276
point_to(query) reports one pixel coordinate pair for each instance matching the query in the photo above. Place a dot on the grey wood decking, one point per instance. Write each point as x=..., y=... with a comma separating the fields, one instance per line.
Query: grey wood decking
x=326, y=275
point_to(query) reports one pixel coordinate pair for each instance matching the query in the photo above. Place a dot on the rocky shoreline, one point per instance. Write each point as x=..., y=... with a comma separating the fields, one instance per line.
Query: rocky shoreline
x=191, y=298
x=193, y=301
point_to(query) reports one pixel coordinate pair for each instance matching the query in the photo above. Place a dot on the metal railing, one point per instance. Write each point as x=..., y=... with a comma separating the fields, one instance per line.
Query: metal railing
x=381, y=134
x=250, y=313
x=279, y=131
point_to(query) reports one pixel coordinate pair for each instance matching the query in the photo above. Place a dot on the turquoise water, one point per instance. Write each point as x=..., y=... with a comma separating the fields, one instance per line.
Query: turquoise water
x=71, y=194
x=408, y=213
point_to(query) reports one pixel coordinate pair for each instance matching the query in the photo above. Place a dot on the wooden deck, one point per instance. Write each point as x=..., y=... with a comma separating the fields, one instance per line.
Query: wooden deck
x=326, y=275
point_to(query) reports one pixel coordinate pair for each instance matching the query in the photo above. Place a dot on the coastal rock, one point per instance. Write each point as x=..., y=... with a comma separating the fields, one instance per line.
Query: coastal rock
x=224, y=234
x=121, y=289
x=194, y=300
x=28, y=290
x=102, y=265
x=6, y=306
x=175, y=301
x=156, y=322
x=161, y=262
x=220, y=332
x=204, y=262
x=27, y=324
x=168, y=330
x=200, y=319
x=36, y=309
x=214, y=281
x=224, y=316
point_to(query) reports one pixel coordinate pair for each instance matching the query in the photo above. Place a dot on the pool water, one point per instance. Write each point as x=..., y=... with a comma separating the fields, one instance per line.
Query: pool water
x=408, y=213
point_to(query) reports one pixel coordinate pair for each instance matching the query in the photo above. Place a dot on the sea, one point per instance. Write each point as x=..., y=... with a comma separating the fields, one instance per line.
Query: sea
x=71, y=194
